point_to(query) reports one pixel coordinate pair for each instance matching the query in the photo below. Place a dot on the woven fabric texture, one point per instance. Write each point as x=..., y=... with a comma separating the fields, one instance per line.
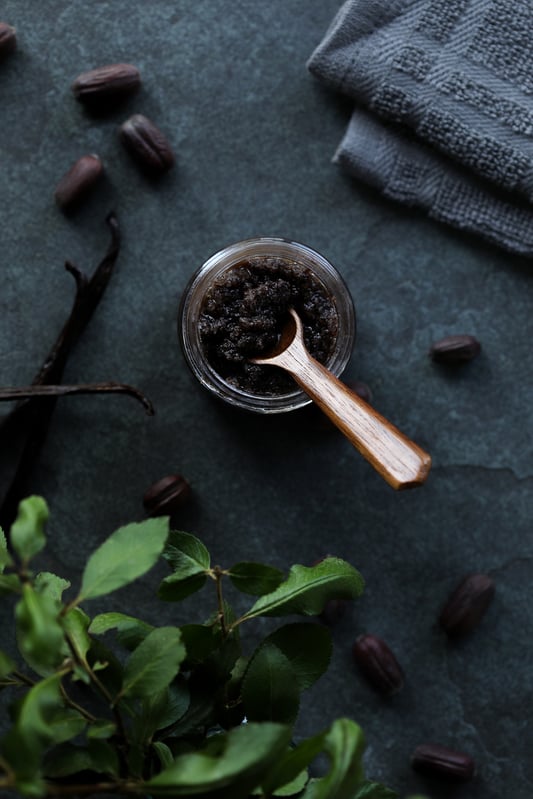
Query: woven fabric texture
x=444, y=107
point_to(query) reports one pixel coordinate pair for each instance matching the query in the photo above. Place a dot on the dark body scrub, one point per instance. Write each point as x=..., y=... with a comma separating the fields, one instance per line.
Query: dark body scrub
x=244, y=311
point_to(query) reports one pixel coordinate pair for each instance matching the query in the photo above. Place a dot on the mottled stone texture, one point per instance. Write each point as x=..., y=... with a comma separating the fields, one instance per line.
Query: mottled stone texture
x=253, y=135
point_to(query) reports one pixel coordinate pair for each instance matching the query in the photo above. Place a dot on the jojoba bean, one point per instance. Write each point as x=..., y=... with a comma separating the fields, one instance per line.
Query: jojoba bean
x=78, y=181
x=166, y=495
x=147, y=144
x=111, y=82
x=455, y=349
x=435, y=760
x=378, y=664
x=467, y=605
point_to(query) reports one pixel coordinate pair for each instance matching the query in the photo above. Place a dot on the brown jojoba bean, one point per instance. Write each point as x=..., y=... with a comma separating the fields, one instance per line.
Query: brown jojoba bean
x=378, y=664
x=455, y=349
x=78, y=181
x=166, y=495
x=147, y=144
x=8, y=39
x=435, y=760
x=111, y=82
x=467, y=605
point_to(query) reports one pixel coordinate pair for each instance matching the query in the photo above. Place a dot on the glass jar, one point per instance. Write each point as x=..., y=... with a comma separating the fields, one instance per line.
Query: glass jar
x=191, y=306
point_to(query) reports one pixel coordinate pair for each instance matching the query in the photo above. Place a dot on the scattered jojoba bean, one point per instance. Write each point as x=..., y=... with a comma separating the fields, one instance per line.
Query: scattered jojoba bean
x=378, y=664
x=467, y=605
x=147, y=144
x=8, y=39
x=439, y=761
x=166, y=495
x=455, y=349
x=78, y=181
x=103, y=84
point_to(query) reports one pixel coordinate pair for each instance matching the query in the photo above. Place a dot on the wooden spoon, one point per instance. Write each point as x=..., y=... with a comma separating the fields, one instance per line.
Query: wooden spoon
x=401, y=462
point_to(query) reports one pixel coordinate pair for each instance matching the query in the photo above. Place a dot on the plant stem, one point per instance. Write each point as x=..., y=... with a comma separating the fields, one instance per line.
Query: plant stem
x=99, y=787
x=217, y=575
x=23, y=679
x=74, y=705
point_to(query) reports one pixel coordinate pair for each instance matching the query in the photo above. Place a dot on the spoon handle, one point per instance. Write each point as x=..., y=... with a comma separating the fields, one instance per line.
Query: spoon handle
x=401, y=462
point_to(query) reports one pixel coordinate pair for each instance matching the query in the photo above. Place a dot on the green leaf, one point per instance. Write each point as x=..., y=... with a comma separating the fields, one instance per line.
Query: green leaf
x=32, y=731
x=270, y=688
x=344, y=744
x=102, y=728
x=200, y=640
x=174, y=588
x=239, y=758
x=51, y=584
x=162, y=709
x=75, y=624
x=39, y=634
x=6, y=665
x=5, y=557
x=374, y=790
x=67, y=759
x=66, y=723
x=27, y=531
x=186, y=554
x=255, y=578
x=308, y=649
x=293, y=763
x=127, y=554
x=9, y=584
x=308, y=588
x=163, y=753
x=154, y=664
x=130, y=631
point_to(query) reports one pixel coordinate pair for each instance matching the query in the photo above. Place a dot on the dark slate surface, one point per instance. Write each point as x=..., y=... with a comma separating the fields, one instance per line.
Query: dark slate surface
x=254, y=135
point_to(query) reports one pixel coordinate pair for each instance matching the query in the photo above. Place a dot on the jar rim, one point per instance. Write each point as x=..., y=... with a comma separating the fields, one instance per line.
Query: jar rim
x=228, y=257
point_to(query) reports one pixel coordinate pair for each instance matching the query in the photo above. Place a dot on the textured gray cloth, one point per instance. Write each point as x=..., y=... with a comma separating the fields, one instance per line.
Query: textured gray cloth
x=444, y=114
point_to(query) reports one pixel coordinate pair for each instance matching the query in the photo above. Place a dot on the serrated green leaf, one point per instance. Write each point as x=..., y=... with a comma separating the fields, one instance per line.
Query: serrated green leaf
x=164, y=755
x=9, y=584
x=51, y=584
x=238, y=758
x=270, y=688
x=39, y=634
x=32, y=731
x=27, y=531
x=308, y=588
x=127, y=554
x=186, y=554
x=162, y=709
x=75, y=624
x=154, y=664
x=175, y=588
x=6, y=665
x=130, y=631
x=5, y=557
x=374, y=790
x=255, y=578
x=308, y=649
x=344, y=744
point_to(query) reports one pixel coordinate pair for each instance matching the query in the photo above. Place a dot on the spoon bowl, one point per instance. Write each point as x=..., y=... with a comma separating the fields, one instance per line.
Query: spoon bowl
x=401, y=462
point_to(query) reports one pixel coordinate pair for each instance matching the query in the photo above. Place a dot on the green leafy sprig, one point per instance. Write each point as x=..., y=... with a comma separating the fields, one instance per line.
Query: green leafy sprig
x=112, y=704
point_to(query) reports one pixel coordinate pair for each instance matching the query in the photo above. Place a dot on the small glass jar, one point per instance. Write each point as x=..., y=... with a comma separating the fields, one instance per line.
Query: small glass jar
x=191, y=306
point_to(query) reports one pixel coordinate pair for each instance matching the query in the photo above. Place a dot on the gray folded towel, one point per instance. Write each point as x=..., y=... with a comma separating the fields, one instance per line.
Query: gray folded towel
x=444, y=116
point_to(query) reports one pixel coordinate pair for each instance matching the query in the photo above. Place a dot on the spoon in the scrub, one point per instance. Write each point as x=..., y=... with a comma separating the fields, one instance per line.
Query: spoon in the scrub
x=401, y=462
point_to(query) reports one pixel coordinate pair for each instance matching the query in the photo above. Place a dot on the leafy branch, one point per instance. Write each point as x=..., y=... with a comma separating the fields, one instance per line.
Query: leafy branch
x=178, y=711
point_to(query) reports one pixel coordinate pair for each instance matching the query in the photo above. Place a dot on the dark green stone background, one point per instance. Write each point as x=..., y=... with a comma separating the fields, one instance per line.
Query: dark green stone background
x=254, y=134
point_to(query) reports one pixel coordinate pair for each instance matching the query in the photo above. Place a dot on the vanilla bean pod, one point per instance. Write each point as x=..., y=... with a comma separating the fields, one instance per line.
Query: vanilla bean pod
x=24, y=429
x=27, y=392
